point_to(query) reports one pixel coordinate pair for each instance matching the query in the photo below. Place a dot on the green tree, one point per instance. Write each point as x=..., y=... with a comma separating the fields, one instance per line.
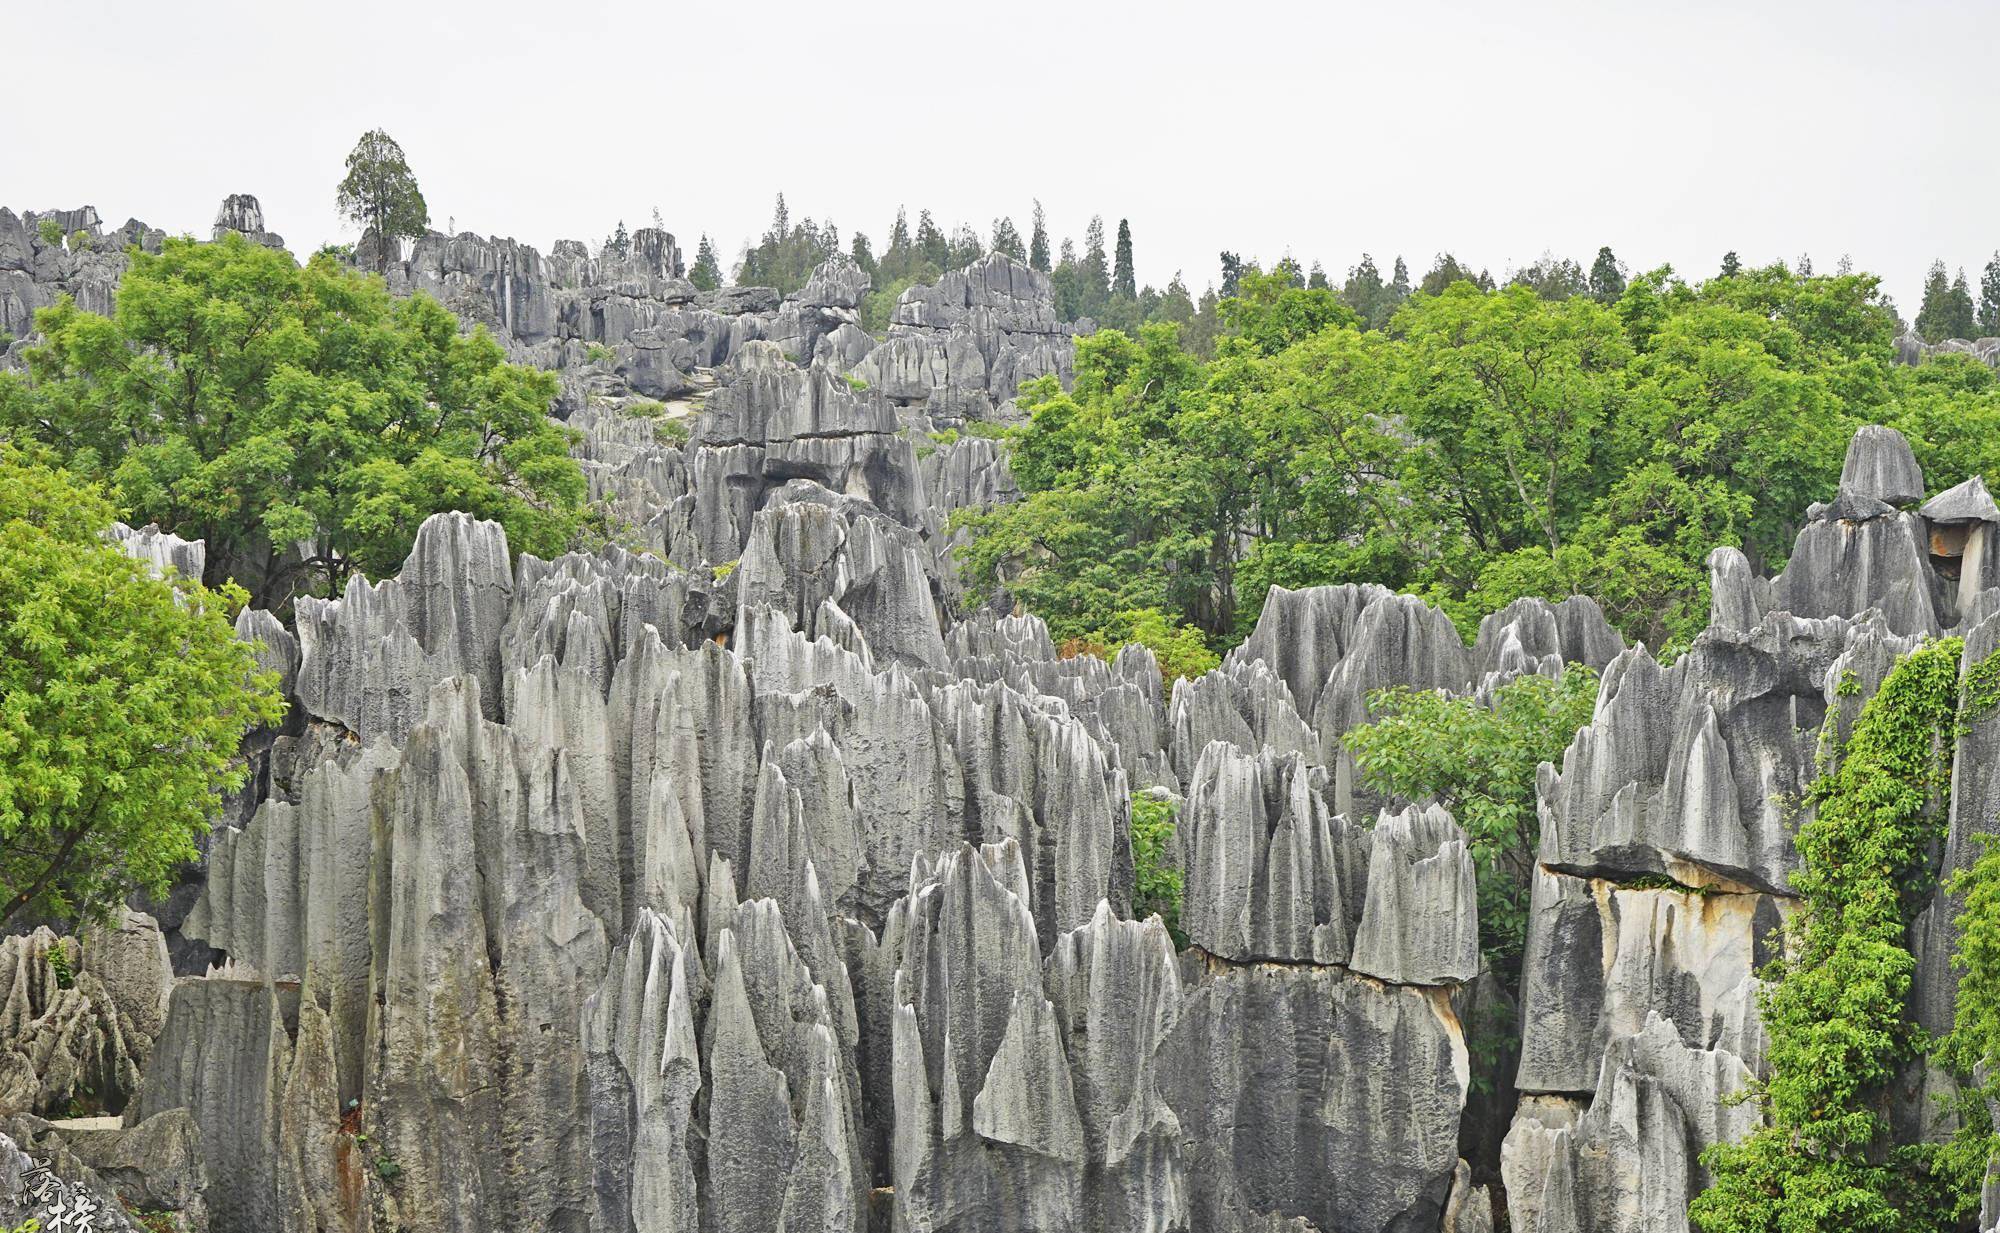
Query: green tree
x=706, y=274
x=1446, y=270
x=1935, y=313
x=1232, y=270
x=299, y=420
x=1960, y=320
x=1157, y=879
x=931, y=243
x=1607, y=277
x=122, y=701
x=1988, y=317
x=380, y=194
x=1123, y=281
x=1038, y=243
x=1007, y=239
x=1731, y=264
x=1477, y=757
x=1094, y=271
x=862, y=252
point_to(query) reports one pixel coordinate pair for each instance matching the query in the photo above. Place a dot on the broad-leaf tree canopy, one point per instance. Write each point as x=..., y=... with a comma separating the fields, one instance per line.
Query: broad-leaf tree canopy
x=122, y=700
x=300, y=420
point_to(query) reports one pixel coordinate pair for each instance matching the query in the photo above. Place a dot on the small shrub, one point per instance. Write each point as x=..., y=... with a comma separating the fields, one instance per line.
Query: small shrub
x=725, y=569
x=645, y=408
x=597, y=353
x=1156, y=876
x=988, y=429
x=854, y=383
x=59, y=963
x=672, y=431
x=948, y=436
x=1181, y=649
x=51, y=232
x=79, y=241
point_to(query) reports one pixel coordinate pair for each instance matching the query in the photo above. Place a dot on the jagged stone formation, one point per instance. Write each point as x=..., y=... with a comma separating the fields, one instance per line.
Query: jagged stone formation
x=739, y=878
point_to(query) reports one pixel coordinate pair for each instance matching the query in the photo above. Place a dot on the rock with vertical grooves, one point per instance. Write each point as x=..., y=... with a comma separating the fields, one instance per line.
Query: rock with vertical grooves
x=368, y=659
x=1420, y=922
x=1310, y=1092
x=1117, y=994
x=223, y=1056
x=1269, y=869
x=1630, y=1161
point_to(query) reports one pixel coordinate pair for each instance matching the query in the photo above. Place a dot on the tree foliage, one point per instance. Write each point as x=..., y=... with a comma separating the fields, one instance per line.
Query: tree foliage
x=380, y=193
x=1157, y=877
x=1477, y=756
x=1486, y=444
x=706, y=273
x=299, y=420
x=122, y=700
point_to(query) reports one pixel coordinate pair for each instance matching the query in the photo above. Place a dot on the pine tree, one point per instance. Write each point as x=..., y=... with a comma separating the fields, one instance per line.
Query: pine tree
x=1607, y=279
x=1933, y=316
x=1095, y=269
x=1961, y=321
x=1989, y=299
x=931, y=242
x=1007, y=239
x=1232, y=274
x=1400, y=284
x=707, y=272
x=1731, y=266
x=965, y=248
x=1038, y=244
x=1316, y=279
x=781, y=220
x=863, y=254
x=1123, y=281
x=1364, y=292
x=899, y=233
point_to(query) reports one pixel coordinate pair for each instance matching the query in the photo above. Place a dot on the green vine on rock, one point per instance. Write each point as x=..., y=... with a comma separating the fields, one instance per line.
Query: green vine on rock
x=1836, y=1008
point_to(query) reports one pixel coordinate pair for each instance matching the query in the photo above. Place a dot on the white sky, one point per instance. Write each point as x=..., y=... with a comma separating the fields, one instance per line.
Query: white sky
x=1670, y=132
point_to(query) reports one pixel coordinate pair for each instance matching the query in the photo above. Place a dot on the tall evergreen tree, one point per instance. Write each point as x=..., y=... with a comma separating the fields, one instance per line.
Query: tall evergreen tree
x=1316, y=278
x=1961, y=321
x=965, y=248
x=1007, y=239
x=380, y=194
x=1095, y=270
x=1607, y=279
x=1989, y=299
x=1364, y=292
x=1934, y=314
x=1400, y=284
x=707, y=272
x=1123, y=281
x=1232, y=274
x=931, y=243
x=1731, y=264
x=899, y=233
x=1038, y=243
x=862, y=253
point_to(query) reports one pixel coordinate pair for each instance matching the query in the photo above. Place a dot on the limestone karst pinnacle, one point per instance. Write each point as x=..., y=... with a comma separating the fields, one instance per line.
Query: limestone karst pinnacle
x=621, y=893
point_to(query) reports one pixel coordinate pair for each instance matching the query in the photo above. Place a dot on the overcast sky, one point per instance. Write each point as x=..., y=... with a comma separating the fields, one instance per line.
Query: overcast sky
x=1671, y=132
